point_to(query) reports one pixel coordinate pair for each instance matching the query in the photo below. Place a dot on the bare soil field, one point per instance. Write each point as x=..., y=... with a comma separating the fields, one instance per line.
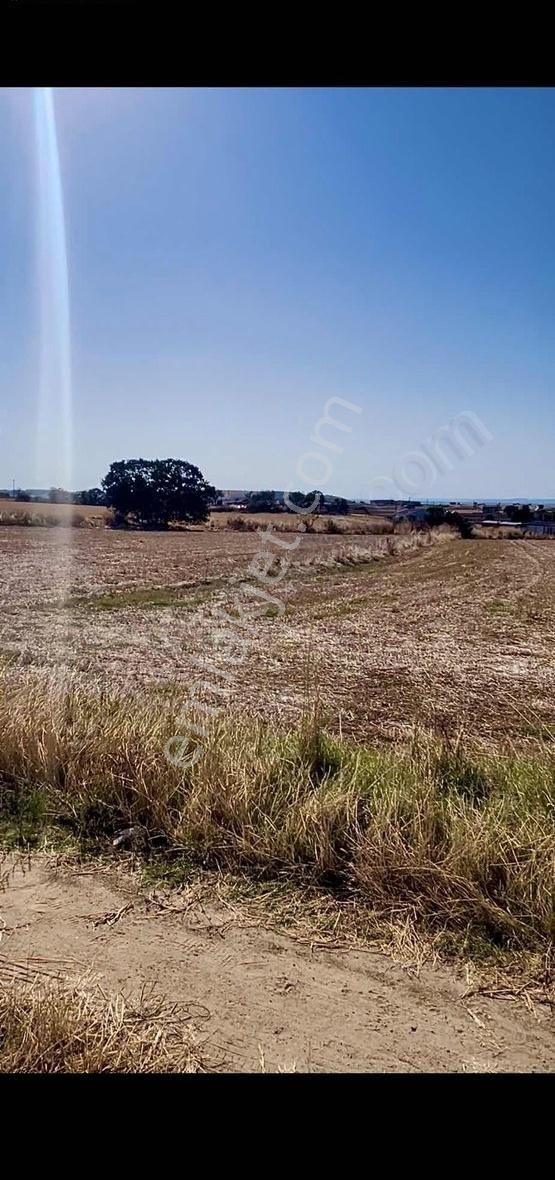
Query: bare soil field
x=43, y=566
x=453, y=634
x=252, y=997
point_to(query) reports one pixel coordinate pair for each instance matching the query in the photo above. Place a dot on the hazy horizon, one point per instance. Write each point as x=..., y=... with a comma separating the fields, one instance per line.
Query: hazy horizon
x=279, y=491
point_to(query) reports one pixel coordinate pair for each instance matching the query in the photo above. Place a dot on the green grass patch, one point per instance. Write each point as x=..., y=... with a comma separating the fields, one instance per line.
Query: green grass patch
x=500, y=607
x=167, y=870
x=272, y=612
x=141, y=599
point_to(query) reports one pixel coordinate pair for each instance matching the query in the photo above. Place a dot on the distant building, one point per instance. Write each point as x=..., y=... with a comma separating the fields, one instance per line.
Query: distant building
x=416, y=515
x=234, y=499
x=540, y=528
x=502, y=523
x=474, y=513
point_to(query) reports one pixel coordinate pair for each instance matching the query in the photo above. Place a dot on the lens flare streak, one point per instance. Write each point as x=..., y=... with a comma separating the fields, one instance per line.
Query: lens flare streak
x=54, y=427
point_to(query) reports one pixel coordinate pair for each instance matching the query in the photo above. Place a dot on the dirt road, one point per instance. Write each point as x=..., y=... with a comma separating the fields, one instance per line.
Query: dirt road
x=259, y=1000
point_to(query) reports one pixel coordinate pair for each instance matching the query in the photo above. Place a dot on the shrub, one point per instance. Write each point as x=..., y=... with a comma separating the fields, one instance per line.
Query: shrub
x=240, y=524
x=436, y=516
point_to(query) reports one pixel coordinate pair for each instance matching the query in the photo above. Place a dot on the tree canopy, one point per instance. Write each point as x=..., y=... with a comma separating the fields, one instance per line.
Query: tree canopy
x=265, y=501
x=310, y=500
x=339, y=506
x=152, y=492
x=437, y=515
x=92, y=496
x=521, y=512
x=60, y=496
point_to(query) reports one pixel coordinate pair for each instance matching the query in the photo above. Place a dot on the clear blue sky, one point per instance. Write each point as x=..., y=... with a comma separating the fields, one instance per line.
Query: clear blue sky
x=236, y=257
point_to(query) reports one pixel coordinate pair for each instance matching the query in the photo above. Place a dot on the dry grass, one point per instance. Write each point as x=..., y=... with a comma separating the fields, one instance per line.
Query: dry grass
x=495, y=533
x=452, y=843
x=14, y=512
x=359, y=524
x=56, y=1028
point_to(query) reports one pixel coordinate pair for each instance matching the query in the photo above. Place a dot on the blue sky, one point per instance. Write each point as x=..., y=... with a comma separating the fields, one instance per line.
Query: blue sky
x=237, y=257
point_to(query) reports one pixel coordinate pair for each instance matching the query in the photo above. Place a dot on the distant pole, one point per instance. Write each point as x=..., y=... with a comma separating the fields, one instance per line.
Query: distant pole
x=13, y=489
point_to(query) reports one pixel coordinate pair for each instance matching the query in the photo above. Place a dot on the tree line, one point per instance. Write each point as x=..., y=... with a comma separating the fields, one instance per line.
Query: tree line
x=153, y=493
x=269, y=501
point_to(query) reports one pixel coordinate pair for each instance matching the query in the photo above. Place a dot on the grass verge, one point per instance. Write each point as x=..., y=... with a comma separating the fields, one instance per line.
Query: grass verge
x=451, y=843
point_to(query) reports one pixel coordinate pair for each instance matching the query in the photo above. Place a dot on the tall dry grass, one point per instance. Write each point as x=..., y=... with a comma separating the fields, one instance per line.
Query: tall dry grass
x=38, y=514
x=290, y=523
x=35, y=519
x=55, y=1028
x=431, y=834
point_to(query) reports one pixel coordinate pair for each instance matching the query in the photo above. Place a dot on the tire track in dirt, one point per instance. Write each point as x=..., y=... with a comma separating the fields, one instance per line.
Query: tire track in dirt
x=256, y=998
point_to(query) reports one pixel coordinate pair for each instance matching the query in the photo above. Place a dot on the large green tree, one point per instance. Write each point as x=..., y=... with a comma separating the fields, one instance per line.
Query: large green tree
x=152, y=492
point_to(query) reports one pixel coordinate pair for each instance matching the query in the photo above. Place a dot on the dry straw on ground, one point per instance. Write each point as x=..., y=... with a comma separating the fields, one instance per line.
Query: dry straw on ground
x=76, y=1028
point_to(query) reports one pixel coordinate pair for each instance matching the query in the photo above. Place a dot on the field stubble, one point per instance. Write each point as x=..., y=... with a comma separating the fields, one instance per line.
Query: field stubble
x=452, y=836
x=386, y=749
x=388, y=632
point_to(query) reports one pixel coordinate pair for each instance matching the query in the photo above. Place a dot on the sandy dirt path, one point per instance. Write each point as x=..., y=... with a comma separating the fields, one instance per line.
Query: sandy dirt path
x=257, y=999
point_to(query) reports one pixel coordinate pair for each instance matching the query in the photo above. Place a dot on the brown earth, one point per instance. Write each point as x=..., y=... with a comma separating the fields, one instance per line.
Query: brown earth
x=41, y=566
x=256, y=998
x=458, y=634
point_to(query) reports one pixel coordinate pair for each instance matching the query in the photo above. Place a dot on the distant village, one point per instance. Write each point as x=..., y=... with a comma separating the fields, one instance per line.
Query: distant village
x=533, y=518
x=538, y=518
